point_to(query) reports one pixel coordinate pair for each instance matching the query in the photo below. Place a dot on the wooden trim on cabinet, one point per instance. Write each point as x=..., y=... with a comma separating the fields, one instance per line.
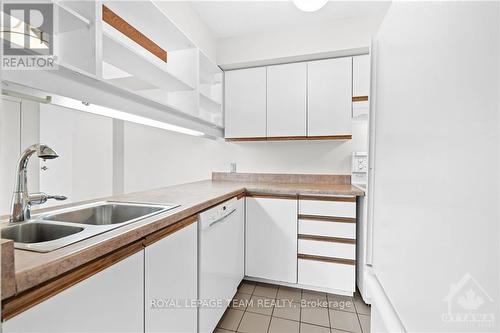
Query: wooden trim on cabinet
x=359, y=98
x=159, y=235
x=128, y=30
x=287, y=138
x=271, y=196
x=247, y=139
x=322, y=218
x=29, y=298
x=330, y=137
x=326, y=259
x=327, y=198
x=240, y=196
x=327, y=239
x=293, y=138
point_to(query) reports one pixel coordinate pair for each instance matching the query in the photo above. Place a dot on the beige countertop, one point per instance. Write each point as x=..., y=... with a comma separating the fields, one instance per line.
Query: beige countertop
x=32, y=268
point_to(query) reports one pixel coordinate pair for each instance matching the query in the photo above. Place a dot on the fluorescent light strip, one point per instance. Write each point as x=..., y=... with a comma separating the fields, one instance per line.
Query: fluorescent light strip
x=112, y=113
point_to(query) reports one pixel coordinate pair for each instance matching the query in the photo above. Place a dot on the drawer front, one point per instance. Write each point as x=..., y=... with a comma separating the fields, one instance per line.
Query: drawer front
x=327, y=228
x=326, y=275
x=328, y=208
x=327, y=249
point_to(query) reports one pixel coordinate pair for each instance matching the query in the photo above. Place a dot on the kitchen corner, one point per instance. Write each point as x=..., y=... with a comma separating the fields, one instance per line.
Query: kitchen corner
x=35, y=269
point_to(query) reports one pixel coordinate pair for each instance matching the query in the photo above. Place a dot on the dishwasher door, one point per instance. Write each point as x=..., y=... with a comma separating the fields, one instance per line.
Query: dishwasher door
x=221, y=260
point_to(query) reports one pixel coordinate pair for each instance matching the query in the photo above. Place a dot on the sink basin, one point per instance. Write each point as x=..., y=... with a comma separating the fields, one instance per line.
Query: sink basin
x=105, y=214
x=50, y=231
x=35, y=232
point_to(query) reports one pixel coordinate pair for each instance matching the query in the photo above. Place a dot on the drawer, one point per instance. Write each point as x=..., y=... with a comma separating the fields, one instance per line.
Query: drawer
x=327, y=228
x=328, y=208
x=326, y=275
x=327, y=249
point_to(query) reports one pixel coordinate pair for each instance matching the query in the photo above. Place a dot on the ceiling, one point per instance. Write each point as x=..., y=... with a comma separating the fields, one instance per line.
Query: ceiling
x=234, y=18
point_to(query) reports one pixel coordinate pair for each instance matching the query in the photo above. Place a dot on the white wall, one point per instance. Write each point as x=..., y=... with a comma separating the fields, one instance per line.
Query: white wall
x=19, y=124
x=10, y=147
x=189, y=22
x=435, y=205
x=320, y=38
x=84, y=142
x=156, y=158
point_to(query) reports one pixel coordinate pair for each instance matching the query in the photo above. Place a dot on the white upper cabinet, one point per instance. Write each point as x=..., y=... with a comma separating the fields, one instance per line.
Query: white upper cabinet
x=245, y=103
x=329, y=97
x=361, y=75
x=286, y=100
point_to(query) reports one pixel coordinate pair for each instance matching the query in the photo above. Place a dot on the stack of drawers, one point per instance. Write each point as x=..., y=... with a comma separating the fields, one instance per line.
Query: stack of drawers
x=327, y=242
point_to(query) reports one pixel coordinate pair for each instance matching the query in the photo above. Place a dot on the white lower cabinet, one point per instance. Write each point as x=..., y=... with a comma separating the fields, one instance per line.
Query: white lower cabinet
x=170, y=282
x=271, y=239
x=109, y=301
x=333, y=276
x=327, y=249
x=328, y=229
x=327, y=243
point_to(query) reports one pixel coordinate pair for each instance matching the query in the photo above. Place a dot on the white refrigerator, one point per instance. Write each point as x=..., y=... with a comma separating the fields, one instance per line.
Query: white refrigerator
x=434, y=168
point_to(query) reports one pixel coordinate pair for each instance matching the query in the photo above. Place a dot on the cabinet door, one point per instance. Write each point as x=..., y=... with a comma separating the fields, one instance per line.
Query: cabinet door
x=286, y=100
x=109, y=301
x=170, y=276
x=245, y=103
x=329, y=97
x=271, y=239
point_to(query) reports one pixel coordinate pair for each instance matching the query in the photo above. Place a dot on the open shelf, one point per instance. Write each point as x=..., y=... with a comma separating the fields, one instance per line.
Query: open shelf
x=83, y=8
x=210, y=73
x=102, y=66
x=70, y=19
x=147, y=17
x=210, y=90
x=135, y=63
x=208, y=102
x=76, y=35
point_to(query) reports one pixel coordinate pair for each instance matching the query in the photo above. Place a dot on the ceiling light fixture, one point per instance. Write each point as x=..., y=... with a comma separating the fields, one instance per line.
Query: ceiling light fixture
x=309, y=5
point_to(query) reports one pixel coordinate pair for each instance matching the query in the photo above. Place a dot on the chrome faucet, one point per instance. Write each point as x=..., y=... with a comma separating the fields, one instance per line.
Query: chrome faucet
x=22, y=200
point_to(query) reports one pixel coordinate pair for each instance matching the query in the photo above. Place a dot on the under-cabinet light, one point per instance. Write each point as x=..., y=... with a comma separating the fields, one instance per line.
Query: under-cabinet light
x=13, y=89
x=115, y=114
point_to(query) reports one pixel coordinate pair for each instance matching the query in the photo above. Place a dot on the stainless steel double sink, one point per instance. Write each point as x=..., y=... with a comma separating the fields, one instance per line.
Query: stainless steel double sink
x=49, y=231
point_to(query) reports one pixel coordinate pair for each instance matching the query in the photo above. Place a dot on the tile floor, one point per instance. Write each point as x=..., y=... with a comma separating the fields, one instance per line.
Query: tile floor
x=266, y=308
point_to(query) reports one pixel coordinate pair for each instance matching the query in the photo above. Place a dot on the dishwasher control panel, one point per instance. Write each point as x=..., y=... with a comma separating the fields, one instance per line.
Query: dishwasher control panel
x=218, y=212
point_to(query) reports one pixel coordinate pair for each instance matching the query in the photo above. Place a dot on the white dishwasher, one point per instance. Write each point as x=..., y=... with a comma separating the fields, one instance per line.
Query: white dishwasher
x=221, y=260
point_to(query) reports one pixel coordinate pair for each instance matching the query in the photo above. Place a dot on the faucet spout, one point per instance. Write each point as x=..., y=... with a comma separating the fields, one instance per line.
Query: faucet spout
x=21, y=199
